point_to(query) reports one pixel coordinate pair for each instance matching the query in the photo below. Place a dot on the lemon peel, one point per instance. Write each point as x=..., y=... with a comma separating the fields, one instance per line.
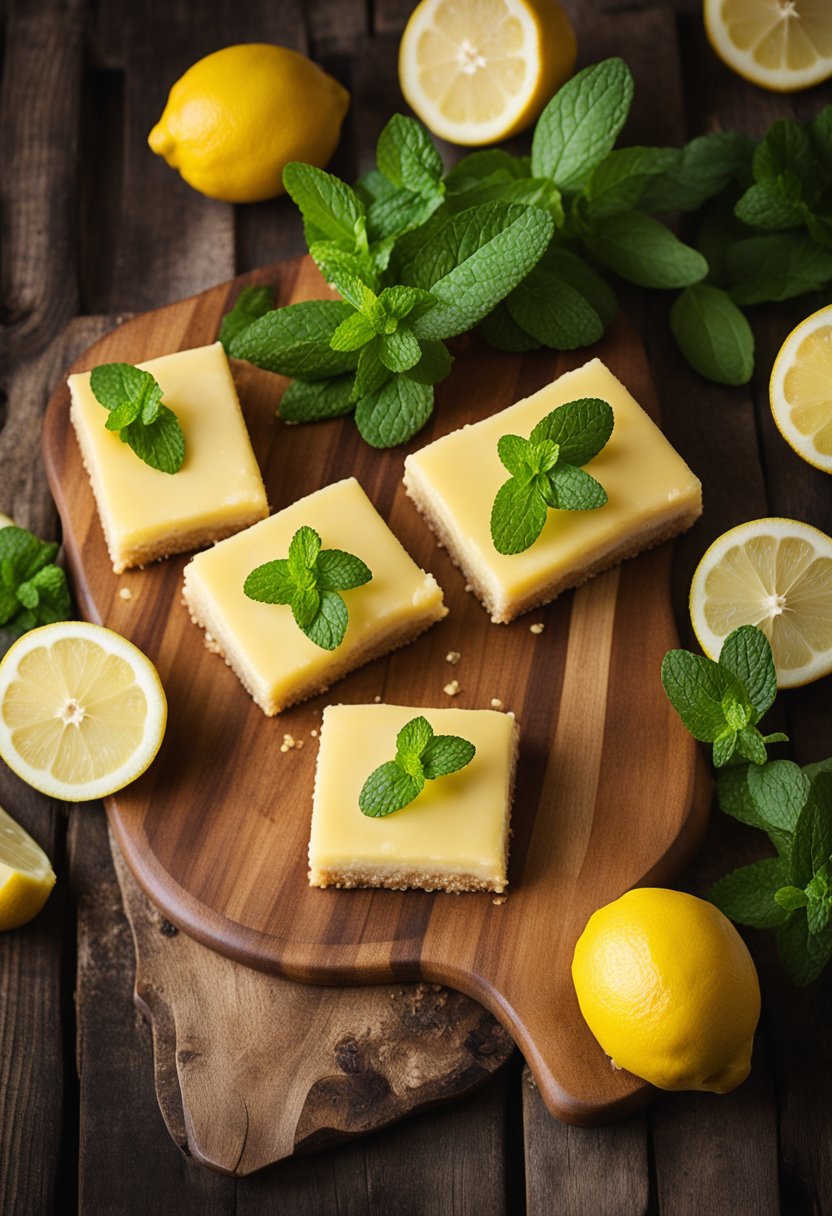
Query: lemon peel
x=668, y=988
x=236, y=118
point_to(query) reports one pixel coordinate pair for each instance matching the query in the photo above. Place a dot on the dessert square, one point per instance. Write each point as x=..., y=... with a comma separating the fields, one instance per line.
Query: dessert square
x=147, y=514
x=275, y=661
x=452, y=837
x=652, y=495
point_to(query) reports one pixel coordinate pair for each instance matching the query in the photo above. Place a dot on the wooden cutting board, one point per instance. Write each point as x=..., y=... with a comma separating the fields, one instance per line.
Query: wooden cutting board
x=611, y=790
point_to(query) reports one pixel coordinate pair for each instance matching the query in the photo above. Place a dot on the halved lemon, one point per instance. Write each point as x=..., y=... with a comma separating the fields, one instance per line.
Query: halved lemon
x=782, y=45
x=800, y=391
x=476, y=71
x=776, y=574
x=82, y=710
x=26, y=874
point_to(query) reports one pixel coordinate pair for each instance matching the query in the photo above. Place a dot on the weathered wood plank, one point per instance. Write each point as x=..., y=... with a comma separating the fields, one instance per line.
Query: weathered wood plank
x=583, y=1171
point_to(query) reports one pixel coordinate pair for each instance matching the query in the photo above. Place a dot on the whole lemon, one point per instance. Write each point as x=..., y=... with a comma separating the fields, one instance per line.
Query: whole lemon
x=668, y=988
x=238, y=116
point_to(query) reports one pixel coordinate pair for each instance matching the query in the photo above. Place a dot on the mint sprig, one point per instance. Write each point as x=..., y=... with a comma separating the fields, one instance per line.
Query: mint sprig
x=721, y=703
x=545, y=472
x=251, y=304
x=33, y=590
x=421, y=756
x=308, y=580
x=134, y=400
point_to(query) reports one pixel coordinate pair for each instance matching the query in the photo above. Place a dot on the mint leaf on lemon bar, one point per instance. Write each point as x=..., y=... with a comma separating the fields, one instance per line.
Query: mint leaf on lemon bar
x=420, y=756
x=133, y=398
x=545, y=472
x=308, y=581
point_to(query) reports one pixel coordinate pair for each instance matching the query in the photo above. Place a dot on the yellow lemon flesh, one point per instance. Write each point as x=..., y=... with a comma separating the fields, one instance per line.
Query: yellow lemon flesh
x=237, y=117
x=82, y=710
x=476, y=71
x=782, y=45
x=775, y=574
x=800, y=391
x=26, y=874
x=668, y=988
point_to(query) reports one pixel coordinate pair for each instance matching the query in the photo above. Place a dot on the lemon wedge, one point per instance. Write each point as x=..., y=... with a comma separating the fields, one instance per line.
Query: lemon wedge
x=26, y=874
x=782, y=45
x=776, y=574
x=801, y=389
x=82, y=710
x=476, y=71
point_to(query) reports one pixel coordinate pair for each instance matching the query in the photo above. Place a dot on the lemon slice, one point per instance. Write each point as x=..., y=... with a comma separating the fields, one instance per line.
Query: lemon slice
x=26, y=874
x=82, y=710
x=476, y=71
x=782, y=45
x=776, y=574
x=801, y=389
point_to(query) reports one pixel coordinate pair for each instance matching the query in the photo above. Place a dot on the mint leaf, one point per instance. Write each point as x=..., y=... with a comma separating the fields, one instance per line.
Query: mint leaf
x=295, y=340
x=777, y=792
x=446, y=754
x=251, y=303
x=747, y=896
x=113, y=384
x=420, y=756
x=786, y=148
x=399, y=351
x=387, y=789
x=581, y=123
x=309, y=580
x=317, y=400
x=749, y=744
x=553, y=312
x=161, y=444
x=791, y=898
x=329, y=207
x=571, y=489
x=697, y=688
x=517, y=516
x=123, y=415
x=400, y=212
x=353, y=333
x=270, y=583
x=713, y=334
x=640, y=249
x=395, y=412
x=514, y=453
x=335, y=262
x=482, y=164
x=33, y=591
x=572, y=269
x=329, y=624
x=413, y=738
x=772, y=204
x=747, y=653
x=472, y=261
x=618, y=182
x=776, y=267
x=501, y=331
x=370, y=375
x=407, y=156
x=803, y=954
x=340, y=571
x=581, y=429
x=435, y=362
x=702, y=169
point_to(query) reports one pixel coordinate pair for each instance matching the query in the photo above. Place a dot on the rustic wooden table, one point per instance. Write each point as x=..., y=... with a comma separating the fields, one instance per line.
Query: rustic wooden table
x=95, y=227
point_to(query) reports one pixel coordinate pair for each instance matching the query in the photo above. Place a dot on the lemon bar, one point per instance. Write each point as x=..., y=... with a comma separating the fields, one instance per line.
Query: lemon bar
x=275, y=661
x=652, y=495
x=453, y=837
x=147, y=514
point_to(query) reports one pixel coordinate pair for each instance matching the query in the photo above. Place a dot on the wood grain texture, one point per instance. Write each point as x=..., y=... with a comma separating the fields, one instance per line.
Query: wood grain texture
x=214, y=872
x=251, y=1068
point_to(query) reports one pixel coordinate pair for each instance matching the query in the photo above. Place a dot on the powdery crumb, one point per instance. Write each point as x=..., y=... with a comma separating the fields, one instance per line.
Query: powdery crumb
x=314, y=734
x=468, y=587
x=125, y=593
x=452, y=689
x=453, y=657
x=499, y=899
x=377, y=700
x=537, y=628
x=290, y=743
x=496, y=703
